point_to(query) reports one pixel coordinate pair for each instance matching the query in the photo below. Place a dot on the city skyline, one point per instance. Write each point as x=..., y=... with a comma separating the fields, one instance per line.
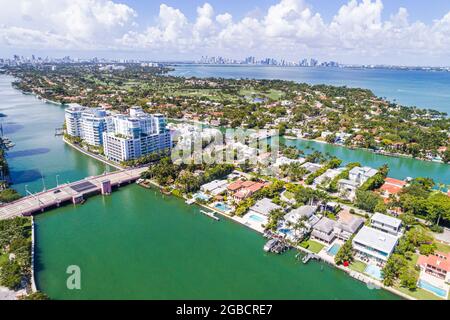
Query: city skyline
x=351, y=32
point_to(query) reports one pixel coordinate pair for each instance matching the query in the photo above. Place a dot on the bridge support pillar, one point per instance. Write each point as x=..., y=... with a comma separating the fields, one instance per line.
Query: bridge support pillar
x=106, y=187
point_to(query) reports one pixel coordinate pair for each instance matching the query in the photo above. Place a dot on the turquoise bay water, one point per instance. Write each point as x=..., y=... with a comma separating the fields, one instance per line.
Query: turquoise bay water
x=135, y=244
x=424, y=89
x=38, y=156
x=399, y=168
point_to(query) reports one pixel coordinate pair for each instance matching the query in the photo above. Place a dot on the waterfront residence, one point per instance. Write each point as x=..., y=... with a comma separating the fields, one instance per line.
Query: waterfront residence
x=327, y=177
x=324, y=230
x=347, y=225
x=391, y=187
x=361, y=174
x=356, y=177
x=372, y=244
x=241, y=189
x=215, y=187
x=311, y=167
x=436, y=265
x=305, y=213
x=386, y=223
x=282, y=161
x=265, y=206
x=347, y=188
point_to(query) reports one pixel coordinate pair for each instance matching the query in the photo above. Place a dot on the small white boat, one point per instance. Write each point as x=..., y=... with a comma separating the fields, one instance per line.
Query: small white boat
x=270, y=244
x=190, y=201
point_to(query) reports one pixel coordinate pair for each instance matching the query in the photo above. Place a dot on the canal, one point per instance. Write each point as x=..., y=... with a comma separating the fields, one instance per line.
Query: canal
x=136, y=244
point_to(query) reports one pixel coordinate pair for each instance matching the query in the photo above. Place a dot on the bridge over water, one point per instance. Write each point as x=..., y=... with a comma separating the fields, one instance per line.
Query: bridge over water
x=74, y=192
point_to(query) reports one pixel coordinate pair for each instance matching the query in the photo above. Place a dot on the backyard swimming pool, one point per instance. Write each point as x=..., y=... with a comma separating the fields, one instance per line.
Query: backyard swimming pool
x=374, y=271
x=222, y=207
x=256, y=218
x=334, y=249
x=201, y=196
x=428, y=286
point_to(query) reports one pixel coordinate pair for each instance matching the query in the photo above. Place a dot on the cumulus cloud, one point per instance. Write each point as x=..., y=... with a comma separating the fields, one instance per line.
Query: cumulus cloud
x=62, y=23
x=289, y=28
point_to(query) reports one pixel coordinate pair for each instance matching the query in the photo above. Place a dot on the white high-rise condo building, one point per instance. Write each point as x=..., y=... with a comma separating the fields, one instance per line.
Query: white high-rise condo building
x=87, y=123
x=93, y=124
x=73, y=119
x=136, y=135
x=123, y=137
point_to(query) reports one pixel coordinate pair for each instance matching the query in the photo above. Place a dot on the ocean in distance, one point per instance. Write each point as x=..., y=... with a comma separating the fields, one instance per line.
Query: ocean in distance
x=420, y=88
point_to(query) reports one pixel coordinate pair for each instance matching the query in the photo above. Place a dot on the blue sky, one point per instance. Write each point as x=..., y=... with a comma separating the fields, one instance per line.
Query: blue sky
x=424, y=10
x=410, y=32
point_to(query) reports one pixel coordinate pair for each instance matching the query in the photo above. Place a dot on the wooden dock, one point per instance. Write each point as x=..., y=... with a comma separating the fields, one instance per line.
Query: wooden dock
x=75, y=192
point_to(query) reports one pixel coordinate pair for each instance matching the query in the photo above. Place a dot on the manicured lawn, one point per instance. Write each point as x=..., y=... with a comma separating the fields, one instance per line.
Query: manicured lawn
x=412, y=263
x=358, y=266
x=314, y=246
x=419, y=293
x=442, y=247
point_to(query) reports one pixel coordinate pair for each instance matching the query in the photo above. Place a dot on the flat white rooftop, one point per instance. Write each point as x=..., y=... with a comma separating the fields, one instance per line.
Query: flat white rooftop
x=376, y=239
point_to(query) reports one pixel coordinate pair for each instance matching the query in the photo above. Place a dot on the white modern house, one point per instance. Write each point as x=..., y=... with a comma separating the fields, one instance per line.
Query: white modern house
x=305, y=213
x=327, y=177
x=311, y=167
x=356, y=177
x=361, y=174
x=347, y=188
x=215, y=187
x=386, y=223
x=265, y=206
x=374, y=244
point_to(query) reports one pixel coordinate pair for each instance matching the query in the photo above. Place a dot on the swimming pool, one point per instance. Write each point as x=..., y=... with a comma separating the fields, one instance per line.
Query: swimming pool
x=374, y=271
x=286, y=231
x=201, y=196
x=222, y=207
x=334, y=249
x=429, y=287
x=256, y=218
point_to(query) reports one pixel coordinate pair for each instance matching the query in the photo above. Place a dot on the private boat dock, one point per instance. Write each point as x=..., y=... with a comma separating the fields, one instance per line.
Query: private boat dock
x=75, y=193
x=210, y=214
x=275, y=246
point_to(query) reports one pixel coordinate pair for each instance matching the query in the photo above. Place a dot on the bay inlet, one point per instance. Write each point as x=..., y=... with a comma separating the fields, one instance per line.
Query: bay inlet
x=137, y=244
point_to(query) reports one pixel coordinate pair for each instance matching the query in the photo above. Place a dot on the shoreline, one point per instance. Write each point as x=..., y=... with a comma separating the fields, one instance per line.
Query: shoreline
x=213, y=209
x=94, y=156
x=362, y=277
x=388, y=154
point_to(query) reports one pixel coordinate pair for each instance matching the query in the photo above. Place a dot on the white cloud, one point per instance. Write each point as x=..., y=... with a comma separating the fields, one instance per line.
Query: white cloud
x=66, y=23
x=289, y=28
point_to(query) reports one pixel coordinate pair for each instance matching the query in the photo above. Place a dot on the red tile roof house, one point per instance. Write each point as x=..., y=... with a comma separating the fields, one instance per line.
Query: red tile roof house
x=391, y=187
x=240, y=190
x=437, y=265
